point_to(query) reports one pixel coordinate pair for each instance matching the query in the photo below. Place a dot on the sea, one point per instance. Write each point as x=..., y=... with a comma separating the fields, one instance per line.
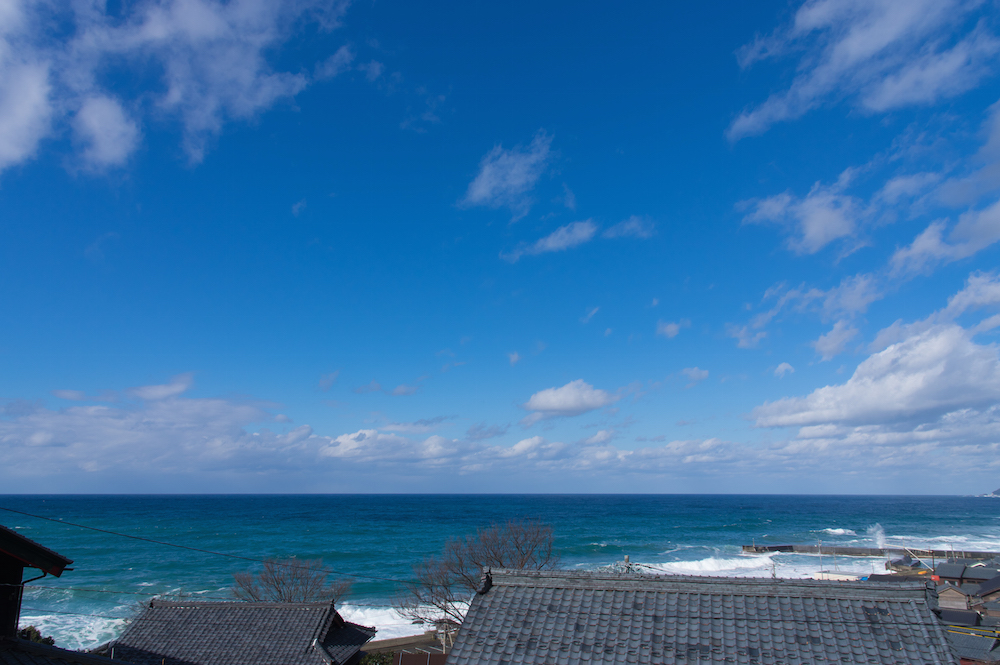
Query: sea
x=375, y=541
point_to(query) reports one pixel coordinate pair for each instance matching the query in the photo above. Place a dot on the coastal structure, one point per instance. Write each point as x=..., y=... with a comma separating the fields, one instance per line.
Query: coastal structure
x=240, y=633
x=555, y=617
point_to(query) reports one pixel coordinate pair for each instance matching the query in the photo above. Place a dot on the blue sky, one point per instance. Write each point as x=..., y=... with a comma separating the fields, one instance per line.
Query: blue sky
x=322, y=246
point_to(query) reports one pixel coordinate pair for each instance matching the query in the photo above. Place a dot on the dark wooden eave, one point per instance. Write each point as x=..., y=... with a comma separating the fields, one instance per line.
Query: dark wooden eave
x=30, y=553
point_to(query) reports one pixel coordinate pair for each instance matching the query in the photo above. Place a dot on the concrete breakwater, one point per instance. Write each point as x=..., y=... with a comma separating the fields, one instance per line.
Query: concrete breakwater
x=834, y=550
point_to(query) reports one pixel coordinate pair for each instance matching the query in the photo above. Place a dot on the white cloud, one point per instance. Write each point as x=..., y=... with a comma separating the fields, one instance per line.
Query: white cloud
x=781, y=370
x=602, y=436
x=744, y=336
x=834, y=342
x=981, y=290
x=25, y=107
x=336, y=64
x=825, y=214
x=109, y=135
x=694, y=374
x=589, y=315
x=178, y=385
x=574, y=398
x=884, y=53
x=934, y=373
x=671, y=329
x=211, y=58
x=975, y=231
x=372, y=70
x=514, y=357
x=633, y=227
x=565, y=237
x=402, y=390
x=507, y=177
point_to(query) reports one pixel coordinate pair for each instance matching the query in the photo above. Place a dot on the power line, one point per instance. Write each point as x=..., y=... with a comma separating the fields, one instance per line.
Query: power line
x=196, y=549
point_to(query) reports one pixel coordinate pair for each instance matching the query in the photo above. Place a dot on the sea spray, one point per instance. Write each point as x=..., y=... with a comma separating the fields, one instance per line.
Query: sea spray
x=877, y=534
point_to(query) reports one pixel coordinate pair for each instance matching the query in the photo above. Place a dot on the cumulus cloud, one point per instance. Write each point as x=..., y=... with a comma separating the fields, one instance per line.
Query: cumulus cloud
x=108, y=135
x=671, y=329
x=574, y=398
x=695, y=375
x=602, y=436
x=934, y=376
x=881, y=55
x=834, y=342
x=824, y=215
x=633, y=227
x=745, y=337
x=211, y=58
x=565, y=237
x=781, y=370
x=506, y=178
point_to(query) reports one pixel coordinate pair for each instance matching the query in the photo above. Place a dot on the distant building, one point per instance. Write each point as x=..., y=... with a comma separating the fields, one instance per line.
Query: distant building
x=543, y=617
x=240, y=633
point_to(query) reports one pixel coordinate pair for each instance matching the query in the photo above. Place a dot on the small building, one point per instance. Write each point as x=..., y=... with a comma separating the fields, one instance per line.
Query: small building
x=240, y=633
x=955, y=597
x=563, y=617
x=17, y=553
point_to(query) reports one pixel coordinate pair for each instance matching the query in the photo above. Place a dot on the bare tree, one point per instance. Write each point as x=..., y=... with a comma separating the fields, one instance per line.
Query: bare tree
x=289, y=581
x=444, y=585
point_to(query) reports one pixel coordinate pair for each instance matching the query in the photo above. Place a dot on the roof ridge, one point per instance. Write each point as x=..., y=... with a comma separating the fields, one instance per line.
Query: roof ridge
x=156, y=602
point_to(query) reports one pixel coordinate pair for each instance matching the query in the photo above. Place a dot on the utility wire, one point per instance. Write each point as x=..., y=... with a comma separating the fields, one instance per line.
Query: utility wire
x=195, y=549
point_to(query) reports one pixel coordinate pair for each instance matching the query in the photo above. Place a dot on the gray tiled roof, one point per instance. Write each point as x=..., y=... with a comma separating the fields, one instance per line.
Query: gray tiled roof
x=563, y=617
x=240, y=633
x=979, y=573
x=982, y=647
x=989, y=586
x=23, y=652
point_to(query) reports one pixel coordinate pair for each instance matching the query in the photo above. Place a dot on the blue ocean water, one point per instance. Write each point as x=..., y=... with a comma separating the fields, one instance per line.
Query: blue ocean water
x=376, y=540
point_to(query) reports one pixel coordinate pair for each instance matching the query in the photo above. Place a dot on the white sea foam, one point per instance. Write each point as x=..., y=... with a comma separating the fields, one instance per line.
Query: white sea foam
x=386, y=619
x=74, y=632
x=840, y=532
x=779, y=564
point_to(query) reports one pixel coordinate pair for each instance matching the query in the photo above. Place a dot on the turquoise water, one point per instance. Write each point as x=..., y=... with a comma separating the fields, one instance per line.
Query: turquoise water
x=376, y=540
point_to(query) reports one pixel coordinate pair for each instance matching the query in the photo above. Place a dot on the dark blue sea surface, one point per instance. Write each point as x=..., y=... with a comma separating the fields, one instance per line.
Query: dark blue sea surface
x=376, y=540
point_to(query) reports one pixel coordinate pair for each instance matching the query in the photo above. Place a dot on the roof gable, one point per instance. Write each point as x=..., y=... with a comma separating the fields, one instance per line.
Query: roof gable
x=568, y=616
x=240, y=633
x=30, y=553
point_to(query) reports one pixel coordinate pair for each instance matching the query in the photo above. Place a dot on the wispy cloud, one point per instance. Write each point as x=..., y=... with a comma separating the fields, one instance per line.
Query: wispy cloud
x=589, y=315
x=372, y=387
x=514, y=357
x=326, y=381
x=506, y=178
x=835, y=341
x=633, y=227
x=565, y=237
x=880, y=55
